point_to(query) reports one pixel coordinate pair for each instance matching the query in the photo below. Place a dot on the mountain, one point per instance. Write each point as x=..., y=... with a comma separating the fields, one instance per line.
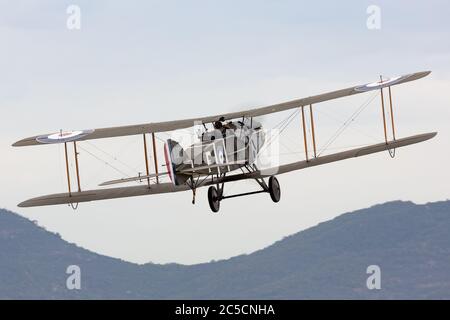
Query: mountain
x=410, y=243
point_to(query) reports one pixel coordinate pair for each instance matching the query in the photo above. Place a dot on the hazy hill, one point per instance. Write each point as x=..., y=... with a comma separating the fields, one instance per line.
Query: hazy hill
x=411, y=244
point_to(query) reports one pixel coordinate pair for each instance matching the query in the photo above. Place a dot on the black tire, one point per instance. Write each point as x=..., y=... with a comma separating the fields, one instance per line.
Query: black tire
x=274, y=189
x=213, y=199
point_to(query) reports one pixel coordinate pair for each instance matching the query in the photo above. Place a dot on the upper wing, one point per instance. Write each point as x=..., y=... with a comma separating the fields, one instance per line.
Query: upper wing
x=181, y=124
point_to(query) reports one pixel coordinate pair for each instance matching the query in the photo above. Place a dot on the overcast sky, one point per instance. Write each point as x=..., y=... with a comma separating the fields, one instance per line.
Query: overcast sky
x=146, y=61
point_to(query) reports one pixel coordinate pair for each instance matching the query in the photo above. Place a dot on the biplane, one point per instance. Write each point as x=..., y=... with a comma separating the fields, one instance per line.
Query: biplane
x=226, y=151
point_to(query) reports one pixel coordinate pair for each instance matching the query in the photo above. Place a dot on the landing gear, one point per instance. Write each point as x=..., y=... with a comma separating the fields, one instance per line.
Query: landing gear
x=274, y=189
x=215, y=194
x=213, y=199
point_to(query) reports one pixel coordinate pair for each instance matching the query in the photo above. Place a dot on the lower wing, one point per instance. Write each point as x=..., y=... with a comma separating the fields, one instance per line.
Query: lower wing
x=123, y=192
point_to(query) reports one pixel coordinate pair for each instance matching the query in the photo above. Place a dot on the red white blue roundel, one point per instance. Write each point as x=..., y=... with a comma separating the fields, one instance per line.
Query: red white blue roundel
x=63, y=136
x=381, y=84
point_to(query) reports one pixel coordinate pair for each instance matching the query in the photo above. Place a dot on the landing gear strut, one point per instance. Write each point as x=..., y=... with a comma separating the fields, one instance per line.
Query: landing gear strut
x=215, y=195
x=194, y=191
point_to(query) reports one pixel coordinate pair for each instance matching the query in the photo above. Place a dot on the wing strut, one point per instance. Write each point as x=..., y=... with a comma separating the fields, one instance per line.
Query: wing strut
x=313, y=134
x=76, y=165
x=304, y=133
x=383, y=113
x=155, y=157
x=146, y=159
x=392, y=114
x=67, y=168
x=391, y=151
x=66, y=155
x=312, y=130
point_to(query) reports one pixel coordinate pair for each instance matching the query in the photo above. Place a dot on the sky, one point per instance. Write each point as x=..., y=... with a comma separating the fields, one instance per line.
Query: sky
x=147, y=61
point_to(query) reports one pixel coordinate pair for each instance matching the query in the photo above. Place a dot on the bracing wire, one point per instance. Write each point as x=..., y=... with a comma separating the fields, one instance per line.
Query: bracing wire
x=340, y=120
x=283, y=125
x=115, y=158
x=105, y=162
x=345, y=125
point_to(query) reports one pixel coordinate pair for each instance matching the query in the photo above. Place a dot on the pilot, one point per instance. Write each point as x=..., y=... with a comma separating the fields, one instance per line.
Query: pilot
x=219, y=124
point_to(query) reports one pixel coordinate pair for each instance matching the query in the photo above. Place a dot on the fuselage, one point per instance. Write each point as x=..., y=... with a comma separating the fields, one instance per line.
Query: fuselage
x=225, y=148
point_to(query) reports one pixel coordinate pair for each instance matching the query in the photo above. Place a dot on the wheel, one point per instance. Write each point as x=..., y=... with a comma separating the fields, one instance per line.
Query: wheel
x=213, y=199
x=274, y=189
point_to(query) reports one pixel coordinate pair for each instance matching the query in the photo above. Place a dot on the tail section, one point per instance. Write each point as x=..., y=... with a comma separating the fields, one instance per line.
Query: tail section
x=174, y=156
